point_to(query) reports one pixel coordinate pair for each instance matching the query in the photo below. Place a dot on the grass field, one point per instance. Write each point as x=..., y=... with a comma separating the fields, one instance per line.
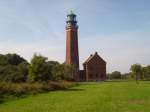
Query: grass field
x=87, y=97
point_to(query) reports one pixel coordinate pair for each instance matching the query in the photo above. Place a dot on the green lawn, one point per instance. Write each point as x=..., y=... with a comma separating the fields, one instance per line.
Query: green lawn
x=87, y=97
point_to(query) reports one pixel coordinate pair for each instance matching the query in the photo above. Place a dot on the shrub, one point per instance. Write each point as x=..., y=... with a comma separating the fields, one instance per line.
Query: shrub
x=61, y=85
x=18, y=89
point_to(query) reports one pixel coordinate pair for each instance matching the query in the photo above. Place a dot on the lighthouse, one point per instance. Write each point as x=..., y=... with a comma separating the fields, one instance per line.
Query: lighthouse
x=72, y=54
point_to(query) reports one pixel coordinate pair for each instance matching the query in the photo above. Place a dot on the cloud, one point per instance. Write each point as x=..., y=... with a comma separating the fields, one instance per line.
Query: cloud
x=120, y=50
x=53, y=48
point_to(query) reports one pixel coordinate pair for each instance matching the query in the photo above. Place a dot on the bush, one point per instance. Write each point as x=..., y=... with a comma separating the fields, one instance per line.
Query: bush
x=61, y=85
x=18, y=89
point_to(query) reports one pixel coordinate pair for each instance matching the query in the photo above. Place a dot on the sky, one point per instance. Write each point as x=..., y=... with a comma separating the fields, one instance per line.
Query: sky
x=119, y=30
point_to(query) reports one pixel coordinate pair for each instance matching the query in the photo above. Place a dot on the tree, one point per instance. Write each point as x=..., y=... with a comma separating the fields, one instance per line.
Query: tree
x=3, y=60
x=39, y=70
x=115, y=75
x=23, y=69
x=11, y=68
x=68, y=72
x=137, y=71
x=146, y=72
x=62, y=72
x=53, y=63
x=9, y=73
x=14, y=59
x=125, y=76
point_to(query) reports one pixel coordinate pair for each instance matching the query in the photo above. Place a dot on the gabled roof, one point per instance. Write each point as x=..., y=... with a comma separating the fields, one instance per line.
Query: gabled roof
x=92, y=56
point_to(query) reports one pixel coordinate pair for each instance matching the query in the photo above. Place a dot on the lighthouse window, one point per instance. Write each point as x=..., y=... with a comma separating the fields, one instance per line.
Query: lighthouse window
x=69, y=24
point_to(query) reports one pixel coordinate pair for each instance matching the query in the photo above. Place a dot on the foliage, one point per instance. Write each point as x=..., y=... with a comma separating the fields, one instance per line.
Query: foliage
x=13, y=73
x=146, y=72
x=136, y=71
x=61, y=85
x=13, y=68
x=62, y=72
x=125, y=76
x=1, y=99
x=39, y=70
x=43, y=70
x=141, y=72
x=23, y=69
x=12, y=59
x=17, y=89
x=115, y=75
x=3, y=60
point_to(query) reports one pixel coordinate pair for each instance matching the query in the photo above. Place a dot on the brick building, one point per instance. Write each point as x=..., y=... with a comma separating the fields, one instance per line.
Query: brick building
x=94, y=69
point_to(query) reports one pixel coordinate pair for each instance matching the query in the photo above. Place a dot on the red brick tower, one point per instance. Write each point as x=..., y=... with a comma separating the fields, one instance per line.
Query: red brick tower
x=72, y=56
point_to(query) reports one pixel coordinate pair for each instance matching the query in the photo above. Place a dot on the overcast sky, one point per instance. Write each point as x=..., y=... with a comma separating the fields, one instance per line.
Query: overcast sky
x=119, y=30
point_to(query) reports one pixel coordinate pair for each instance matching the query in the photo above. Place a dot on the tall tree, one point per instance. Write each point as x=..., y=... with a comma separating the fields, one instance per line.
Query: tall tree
x=39, y=70
x=146, y=72
x=137, y=71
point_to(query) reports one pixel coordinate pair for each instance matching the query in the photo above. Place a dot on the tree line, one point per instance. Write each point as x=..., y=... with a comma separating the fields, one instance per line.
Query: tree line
x=14, y=68
x=137, y=72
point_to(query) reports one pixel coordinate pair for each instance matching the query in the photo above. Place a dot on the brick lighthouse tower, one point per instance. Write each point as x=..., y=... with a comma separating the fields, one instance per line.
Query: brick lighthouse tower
x=72, y=55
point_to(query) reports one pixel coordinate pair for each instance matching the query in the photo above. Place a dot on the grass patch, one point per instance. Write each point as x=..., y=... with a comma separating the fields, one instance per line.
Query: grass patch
x=87, y=97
